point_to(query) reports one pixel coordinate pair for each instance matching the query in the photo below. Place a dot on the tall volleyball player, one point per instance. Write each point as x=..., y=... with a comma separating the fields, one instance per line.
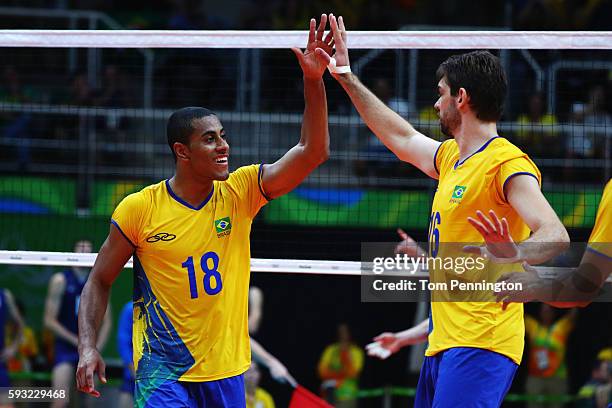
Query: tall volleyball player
x=189, y=236
x=474, y=348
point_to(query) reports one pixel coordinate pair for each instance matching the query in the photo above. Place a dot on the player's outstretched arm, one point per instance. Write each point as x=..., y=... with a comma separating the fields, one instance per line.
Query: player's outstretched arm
x=386, y=344
x=396, y=133
x=111, y=259
x=313, y=148
x=574, y=287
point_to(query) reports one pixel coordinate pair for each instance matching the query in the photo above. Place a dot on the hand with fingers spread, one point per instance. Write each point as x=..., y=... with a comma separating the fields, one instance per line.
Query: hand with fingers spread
x=90, y=362
x=499, y=245
x=313, y=65
x=338, y=40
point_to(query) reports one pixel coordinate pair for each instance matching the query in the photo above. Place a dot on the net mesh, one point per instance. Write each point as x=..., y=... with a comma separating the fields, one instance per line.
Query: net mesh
x=80, y=128
x=83, y=127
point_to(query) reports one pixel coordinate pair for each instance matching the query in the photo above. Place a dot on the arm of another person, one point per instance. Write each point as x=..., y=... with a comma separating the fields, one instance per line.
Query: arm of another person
x=572, y=287
x=388, y=343
x=313, y=148
x=278, y=371
x=12, y=349
x=111, y=259
x=395, y=132
x=57, y=286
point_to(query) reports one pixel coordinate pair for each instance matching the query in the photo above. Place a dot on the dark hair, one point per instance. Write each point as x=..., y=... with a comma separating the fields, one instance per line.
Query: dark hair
x=482, y=76
x=180, y=125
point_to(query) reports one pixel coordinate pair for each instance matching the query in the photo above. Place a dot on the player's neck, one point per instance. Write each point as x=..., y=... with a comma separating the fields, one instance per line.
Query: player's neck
x=472, y=135
x=190, y=189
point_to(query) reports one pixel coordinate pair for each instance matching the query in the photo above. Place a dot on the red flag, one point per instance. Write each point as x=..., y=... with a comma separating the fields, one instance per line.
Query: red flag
x=302, y=398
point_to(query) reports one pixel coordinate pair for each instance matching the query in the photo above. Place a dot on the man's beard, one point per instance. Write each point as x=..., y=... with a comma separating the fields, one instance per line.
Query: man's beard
x=451, y=122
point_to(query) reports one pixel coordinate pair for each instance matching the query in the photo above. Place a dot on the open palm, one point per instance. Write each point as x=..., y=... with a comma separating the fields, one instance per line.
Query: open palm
x=312, y=65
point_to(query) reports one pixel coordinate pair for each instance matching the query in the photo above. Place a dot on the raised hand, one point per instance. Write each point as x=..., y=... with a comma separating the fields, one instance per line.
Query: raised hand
x=499, y=245
x=312, y=64
x=338, y=31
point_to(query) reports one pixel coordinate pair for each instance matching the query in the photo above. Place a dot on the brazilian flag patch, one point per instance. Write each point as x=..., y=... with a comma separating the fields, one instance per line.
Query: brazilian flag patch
x=458, y=192
x=223, y=226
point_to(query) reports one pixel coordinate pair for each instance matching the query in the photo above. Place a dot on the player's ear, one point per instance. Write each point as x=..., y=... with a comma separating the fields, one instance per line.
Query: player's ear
x=181, y=151
x=462, y=97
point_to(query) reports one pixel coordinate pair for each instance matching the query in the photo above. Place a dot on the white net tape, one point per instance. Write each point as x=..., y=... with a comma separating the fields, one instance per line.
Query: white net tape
x=286, y=39
x=299, y=266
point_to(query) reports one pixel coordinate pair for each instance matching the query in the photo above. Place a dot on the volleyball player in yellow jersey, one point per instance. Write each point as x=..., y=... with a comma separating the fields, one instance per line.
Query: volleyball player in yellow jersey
x=189, y=237
x=474, y=348
x=574, y=287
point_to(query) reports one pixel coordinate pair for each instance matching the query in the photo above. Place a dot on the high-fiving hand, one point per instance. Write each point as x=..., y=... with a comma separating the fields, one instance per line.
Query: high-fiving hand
x=314, y=65
x=338, y=32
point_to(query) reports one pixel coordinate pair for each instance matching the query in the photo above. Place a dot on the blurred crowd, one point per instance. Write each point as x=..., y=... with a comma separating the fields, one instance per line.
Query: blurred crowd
x=576, y=131
x=380, y=15
x=209, y=77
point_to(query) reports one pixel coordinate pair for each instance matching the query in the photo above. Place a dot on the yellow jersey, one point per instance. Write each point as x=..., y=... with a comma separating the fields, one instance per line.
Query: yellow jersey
x=191, y=277
x=261, y=399
x=475, y=183
x=600, y=240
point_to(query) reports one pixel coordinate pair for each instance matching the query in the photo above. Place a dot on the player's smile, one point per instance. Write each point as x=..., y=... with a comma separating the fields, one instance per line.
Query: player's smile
x=222, y=161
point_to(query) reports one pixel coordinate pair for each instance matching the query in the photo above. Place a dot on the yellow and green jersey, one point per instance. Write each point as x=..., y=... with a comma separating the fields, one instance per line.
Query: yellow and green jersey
x=547, y=346
x=191, y=277
x=476, y=183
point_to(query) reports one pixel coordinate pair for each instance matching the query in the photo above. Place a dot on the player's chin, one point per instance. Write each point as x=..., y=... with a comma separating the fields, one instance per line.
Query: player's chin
x=222, y=175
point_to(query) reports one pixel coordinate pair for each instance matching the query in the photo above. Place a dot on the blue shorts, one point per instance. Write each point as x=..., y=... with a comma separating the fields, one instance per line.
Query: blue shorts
x=464, y=377
x=4, y=377
x=128, y=386
x=160, y=393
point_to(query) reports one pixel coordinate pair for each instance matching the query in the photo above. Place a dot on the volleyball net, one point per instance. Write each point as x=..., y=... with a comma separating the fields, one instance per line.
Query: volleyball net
x=82, y=125
x=84, y=114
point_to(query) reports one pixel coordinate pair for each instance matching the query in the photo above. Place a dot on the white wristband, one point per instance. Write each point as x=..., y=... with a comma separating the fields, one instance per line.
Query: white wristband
x=338, y=70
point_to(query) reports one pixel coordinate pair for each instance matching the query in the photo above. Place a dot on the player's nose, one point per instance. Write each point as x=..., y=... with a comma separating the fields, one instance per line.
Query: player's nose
x=222, y=147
